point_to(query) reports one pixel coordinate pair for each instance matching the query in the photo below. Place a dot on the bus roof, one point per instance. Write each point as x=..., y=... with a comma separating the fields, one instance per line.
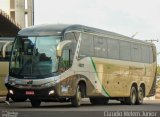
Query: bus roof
x=40, y=30
x=60, y=29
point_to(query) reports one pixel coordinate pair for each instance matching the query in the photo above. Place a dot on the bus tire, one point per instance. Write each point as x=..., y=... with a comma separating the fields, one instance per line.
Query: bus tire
x=35, y=103
x=76, y=100
x=15, y=99
x=140, y=96
x=131, y=100
x=99, y=101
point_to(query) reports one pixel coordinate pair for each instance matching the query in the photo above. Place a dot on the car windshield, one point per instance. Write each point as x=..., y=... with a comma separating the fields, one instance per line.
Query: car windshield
x=34, y=55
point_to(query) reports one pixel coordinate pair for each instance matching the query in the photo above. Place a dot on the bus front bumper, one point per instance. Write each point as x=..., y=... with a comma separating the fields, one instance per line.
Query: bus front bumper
x=43, y=93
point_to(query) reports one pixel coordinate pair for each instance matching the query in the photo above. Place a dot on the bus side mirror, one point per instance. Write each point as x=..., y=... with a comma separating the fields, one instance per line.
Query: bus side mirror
x=61, y=46
x=4, y=48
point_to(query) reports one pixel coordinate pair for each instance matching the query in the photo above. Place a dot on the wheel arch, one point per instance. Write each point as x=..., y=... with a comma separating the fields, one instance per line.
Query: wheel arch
x=83, y=86
x=134, y=84
x=142, y=85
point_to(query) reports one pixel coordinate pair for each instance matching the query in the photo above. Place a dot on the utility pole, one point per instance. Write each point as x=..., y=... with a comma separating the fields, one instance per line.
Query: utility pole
x=33, y=12
x=134, y=35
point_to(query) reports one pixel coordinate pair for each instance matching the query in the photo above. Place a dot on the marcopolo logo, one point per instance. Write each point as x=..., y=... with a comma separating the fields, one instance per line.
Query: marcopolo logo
x=29, y=82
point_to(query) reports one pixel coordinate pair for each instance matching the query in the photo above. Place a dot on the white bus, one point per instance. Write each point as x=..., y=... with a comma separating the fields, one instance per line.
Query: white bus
x=70, y=62
x=5, y=52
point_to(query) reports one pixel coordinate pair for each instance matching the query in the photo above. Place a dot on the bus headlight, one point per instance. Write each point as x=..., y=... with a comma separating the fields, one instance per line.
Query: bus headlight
x=51, y=92
x=11, y=92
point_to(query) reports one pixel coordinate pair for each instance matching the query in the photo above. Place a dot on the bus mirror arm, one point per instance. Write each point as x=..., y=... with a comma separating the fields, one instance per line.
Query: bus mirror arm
x=78, y=58
x=61, y=46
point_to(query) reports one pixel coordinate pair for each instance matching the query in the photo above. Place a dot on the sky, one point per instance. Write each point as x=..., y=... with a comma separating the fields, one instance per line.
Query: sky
x=125, y=17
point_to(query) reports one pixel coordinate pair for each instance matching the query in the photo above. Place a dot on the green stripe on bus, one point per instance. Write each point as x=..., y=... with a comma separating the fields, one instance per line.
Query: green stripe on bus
x=94, y=66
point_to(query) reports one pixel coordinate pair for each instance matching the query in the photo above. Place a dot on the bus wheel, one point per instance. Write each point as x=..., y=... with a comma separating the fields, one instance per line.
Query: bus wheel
x=15, y=99
x=140, y=96
x=131, y=100
x=76, y=100
x=35, y=103
x=99, y=101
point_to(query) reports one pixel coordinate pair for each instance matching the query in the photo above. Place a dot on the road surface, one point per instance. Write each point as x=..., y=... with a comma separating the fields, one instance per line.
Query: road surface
x=51, y=109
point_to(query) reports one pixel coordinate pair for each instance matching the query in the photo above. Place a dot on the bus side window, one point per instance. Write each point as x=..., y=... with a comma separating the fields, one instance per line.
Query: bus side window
x=65, y=60
x=145, y=54
x=86, y=47
x=113, y=49
x=73, y=36
x=136, y=54
x=152, y=54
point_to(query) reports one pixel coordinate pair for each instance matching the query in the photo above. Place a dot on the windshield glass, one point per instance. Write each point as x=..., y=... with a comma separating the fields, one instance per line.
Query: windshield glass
x=34, y=55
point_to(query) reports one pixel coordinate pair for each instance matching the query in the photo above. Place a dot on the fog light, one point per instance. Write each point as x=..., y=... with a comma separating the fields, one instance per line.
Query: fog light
x=51, y=92
x=11, y=92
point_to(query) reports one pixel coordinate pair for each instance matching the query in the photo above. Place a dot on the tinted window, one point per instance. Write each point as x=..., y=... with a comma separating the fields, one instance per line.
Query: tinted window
x=145, y=54
x=113, y=49
x=100, y=47
x=74, y=36
x=125, y=53
x=86, y=47
x=151, y=54
x=136, y=52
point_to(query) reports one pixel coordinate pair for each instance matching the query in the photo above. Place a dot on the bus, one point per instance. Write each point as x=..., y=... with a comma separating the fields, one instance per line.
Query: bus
x=5, y=52
x=65, y=63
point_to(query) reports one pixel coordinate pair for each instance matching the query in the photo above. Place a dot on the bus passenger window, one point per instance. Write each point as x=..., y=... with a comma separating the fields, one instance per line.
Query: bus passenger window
x=136, y=52
x=86, y=47
x=113, y=49
x=73, y=36
x=65, y=60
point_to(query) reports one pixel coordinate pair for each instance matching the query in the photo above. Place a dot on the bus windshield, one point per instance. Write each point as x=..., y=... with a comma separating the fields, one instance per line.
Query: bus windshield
x=34, y=55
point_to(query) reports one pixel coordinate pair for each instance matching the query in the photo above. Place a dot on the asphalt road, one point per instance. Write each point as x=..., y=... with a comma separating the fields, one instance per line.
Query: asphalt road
x=24, y=109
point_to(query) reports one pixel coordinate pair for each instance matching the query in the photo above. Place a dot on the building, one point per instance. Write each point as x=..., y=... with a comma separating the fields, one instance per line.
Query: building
x=21, y=11
x=8, y=26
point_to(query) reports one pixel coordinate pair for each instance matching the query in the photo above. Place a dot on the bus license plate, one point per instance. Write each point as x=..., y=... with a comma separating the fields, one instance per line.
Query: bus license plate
x=29, y=92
